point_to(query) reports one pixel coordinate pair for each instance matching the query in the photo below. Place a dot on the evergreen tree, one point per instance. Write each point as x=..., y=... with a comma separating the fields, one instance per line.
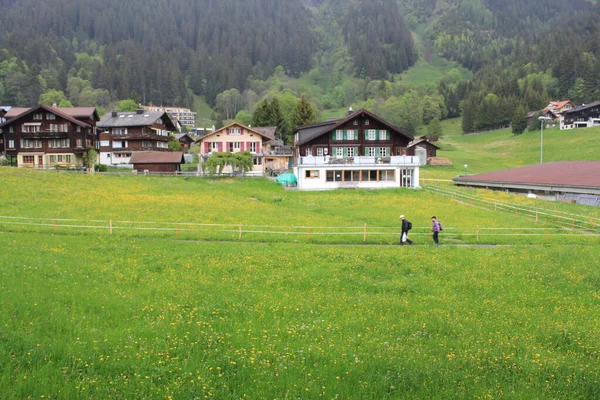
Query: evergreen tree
x=519, y=119
x=304, y=113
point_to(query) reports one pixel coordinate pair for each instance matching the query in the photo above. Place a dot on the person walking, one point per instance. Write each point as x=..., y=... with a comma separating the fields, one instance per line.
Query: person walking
x=436, y=227
x=406, y=226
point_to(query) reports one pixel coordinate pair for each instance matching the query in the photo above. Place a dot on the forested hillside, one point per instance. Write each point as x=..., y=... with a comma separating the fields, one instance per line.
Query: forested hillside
x=235, y=54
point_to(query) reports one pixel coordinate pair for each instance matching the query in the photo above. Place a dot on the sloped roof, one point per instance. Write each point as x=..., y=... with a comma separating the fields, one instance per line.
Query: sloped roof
x=15, y=111
x=55, y=111
x=223, y=129
x=129, y=119
x=560, y=104
x=157, y=157
x=565, y=174
x=582, y=107
x=268, y=131
x=416, y=142
x=310, y=132
x=80, y=112
x=178, y=136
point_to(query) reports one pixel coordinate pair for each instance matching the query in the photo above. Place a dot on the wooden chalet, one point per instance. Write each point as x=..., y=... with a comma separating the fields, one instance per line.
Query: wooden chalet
x=359, y=151
x=430, y=148
x=278, y=157
x=46, y=137
x=157, y=161
x=583, y=116
x=185, y=140
x=123, y=134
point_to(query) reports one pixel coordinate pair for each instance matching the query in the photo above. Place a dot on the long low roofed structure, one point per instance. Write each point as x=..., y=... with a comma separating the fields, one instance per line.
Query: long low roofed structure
x=553, y=178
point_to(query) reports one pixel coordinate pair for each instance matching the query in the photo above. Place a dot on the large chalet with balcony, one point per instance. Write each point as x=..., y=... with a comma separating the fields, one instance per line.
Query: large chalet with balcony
x=359, y=151
x=583, y=116
x=47, y=137
x=124, y=133
x=236, y=138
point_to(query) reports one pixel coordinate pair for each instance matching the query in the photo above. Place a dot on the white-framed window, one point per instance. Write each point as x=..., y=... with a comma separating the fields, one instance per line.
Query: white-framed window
x=355, y=122
x=50, y=116
x=105, y=143
x=339, y=134
x=11, y=144
x=383, y=152
x=38, y=116
x=30, y=128
x=320, y=152
x=351, y=152
x=214, y=146
x=366, y=122
x=11, y=129
x=372, y=134
x=252, y=147
x=312, y=174
x=78, y=142
x=383, y=134
x=257, y=160
x=308, y=152
x=370, y=151
x=119, y=131
x=59, y=143
x=78, y=129
x=235, y=131
x=339, y=152
x=237, y=146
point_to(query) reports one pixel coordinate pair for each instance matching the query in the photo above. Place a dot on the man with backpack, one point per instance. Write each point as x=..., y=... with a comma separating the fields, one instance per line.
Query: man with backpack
x=406, y=226
x=436, y=228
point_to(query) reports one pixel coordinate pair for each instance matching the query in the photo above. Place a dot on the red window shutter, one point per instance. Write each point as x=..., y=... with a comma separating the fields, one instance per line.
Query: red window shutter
x=257, y=147
x=220, y=146
x=242, y=147
x=206, y=147
x=248, y=146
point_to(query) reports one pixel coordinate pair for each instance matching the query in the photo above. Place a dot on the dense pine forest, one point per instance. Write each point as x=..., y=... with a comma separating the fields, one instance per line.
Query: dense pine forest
x=504, y=56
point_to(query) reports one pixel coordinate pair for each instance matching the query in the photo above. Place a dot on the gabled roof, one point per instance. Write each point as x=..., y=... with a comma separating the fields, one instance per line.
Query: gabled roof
x=178, y=136
x=55, y=111
x=269, y=131
x=12, y=112
x=223, y=129
x=157, y=157
x=560, y=104
x=582, y=107
x=310, y=132
x=416, y=142
x=130, y=119
x=81, y=112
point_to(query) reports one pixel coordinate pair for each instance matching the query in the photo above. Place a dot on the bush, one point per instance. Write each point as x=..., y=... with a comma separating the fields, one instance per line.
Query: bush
x=100, y=168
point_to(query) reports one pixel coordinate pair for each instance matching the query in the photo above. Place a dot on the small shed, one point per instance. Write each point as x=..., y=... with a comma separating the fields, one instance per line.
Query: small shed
x=157, y=161
x=185, y=140
x=424, y=143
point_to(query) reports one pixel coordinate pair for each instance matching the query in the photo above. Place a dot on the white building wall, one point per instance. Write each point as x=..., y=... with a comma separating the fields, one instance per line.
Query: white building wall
x=321, y=183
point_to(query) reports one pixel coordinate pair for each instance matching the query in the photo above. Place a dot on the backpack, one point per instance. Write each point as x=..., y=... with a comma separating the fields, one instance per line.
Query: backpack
x=409, y=225
x=441, y=228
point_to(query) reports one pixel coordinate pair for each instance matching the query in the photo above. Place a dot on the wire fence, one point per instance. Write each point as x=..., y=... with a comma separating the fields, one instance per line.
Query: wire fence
x=357, y=234
x=556, y=218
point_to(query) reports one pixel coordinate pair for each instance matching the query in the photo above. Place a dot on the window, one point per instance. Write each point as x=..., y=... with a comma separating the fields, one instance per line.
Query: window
x=355, y=122
x=50, y=116
x=383, y=151
x=38, y=116
x=11, y=129
x=11, y=144
x=383, y=134
x=28, y=159
x=319, y=152
x=312, y=174
x=78, y=142
x=339, y=134
x=28, y=128
x=214, y=146
x=387, y=175
x=257, y=161
x=366, y=122
x=252, y=147
x=231, y=147
x=371, y=134
x=78, y=129
x=59, y=143
x=105, y=143
x=31, y=144
x=119, y=131
x=339, y=152
x=350, y=152
x=370, y=151
x=235, y=131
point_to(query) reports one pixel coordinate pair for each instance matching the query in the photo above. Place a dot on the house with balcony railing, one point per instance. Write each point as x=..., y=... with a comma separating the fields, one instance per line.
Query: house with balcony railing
x=123, y=134
x=583, y=116
x=43, y=136
x=359, y=151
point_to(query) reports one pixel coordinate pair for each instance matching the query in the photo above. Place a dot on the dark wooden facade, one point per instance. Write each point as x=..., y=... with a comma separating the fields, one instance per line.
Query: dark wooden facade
x=157, y=161
x=581, y=114
x=323, y=139
x=428, y=146
x=43, y=137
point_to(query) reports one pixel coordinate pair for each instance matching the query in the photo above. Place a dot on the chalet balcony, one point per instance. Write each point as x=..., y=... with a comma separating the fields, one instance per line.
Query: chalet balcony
x=327, y=161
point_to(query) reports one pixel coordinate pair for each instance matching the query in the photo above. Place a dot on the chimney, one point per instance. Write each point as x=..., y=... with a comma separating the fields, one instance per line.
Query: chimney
x=54, y=105
x=139, y=111
x=350, y=110
x=115, y=114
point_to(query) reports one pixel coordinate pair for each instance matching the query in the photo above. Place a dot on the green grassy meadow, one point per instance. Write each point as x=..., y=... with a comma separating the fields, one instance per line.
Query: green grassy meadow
x=202, y=313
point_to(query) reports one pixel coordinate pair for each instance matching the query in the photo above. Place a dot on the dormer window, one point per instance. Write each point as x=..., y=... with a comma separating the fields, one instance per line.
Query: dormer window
x=50, y=116
x=235, y=131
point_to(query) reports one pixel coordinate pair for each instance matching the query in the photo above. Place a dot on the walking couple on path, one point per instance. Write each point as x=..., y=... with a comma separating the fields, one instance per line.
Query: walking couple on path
x=436, y=227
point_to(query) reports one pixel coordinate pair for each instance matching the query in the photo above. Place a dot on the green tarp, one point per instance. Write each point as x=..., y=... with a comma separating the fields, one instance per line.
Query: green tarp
x=287, y=179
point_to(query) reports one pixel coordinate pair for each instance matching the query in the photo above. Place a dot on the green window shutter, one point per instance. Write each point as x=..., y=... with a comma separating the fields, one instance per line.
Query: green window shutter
x=333, y=135
x=345, y=152
x=345, y=134
x=366, y=134
x=387, y=135
x=377, y=151
x=356, y=134
x=356, y=151
x=388, y=151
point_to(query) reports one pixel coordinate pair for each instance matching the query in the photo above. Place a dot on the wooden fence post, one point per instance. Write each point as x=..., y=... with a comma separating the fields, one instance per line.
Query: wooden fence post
x=573, y=225
x=478, y=233
x=240, y=233
x=365, y=234
x=110, y=226
x=309, y=233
